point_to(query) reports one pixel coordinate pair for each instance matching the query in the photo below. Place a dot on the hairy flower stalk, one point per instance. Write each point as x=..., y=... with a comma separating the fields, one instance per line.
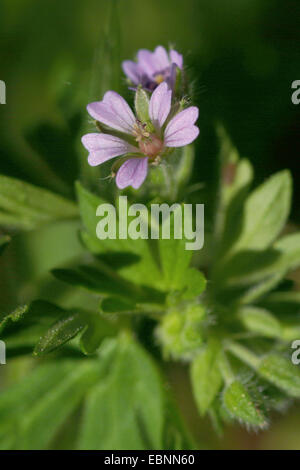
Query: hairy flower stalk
x=144, y=139
x=153, y=68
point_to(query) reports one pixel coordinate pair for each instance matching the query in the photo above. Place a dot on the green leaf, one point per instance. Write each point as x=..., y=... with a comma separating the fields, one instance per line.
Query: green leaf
x=39, y=311
x=286, y=306
x=26, y=206
x=141, y=102
x=14, y=316
x=265, y=213
x=125, y=411
x=242, y=407
x=289, y=247
x=248, y=267
x=26, y=326
x=95, y=280
x=256, y=292
x=243, y=177
x=98, y=327
x=41, y=422
x=175, y=259
x=260, y=321
x=229, y=221
x=32, y=410
x=94, y=328
x=282, y=373
x=60, y=333
x=15, y=221
x=291, y=331
x=14, y=400
x=92, y=280
x=117, y=305
x=145, y=271
x=205, y=376
x=282, y=302
x=235, y=178
x=195, y=283
x=88, y=204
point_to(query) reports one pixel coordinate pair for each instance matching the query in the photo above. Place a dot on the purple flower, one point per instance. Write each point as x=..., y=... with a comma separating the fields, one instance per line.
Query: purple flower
x=143, y=143
x=153, y=68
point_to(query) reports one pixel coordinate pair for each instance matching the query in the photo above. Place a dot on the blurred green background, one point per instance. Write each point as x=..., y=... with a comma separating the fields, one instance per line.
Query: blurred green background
x=242, y=56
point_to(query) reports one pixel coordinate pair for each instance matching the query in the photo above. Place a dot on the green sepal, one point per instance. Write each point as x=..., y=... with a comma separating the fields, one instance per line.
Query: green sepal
x=141, y=102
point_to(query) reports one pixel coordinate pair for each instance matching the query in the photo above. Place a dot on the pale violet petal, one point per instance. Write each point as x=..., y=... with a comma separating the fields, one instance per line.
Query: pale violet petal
x=176, y=58
x=120, y=107
x=103, y=113
x=160, y=105
x=161, y=58
x=182, y=137
x=172, y=78
x=185, y=118
x=131, y=69
x=103, y=147
x=113, y=111
x=146, y=62
x=132, y=173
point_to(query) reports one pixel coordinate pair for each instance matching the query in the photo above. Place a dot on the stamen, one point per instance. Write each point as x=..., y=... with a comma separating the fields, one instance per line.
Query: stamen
x=139, y=131
x=159, y=78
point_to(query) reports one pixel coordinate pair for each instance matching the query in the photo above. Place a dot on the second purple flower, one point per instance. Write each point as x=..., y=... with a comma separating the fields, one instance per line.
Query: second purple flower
x=153, y=68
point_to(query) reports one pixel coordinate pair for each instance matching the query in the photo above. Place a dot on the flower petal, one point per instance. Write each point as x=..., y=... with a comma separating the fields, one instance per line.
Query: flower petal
x=146, y=62
x=185, y=118
x=132, y=173
x=160, y=105
x=103, y=147
x=182, y=137
x=161, y=58
x=176, y=58
x=172, y=77
x=131, y=69
x=104, y=114
x=120, y=107
x=113, y=111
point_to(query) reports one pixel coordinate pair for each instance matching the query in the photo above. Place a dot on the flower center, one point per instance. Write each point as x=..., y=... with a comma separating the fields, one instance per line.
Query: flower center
x=140, y=131
x=159, y=78
x=149, y=143
x=151, y=146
